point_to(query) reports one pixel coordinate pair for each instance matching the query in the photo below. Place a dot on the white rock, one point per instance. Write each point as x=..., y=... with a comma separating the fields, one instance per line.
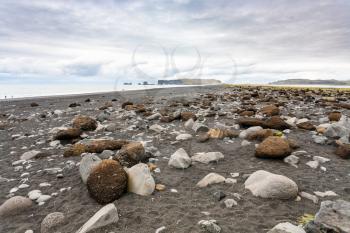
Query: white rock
x=13, y=190
x=245, y=143
x=157, y=128
x=230, y=181
x=309, y=196
x=291, y=121
x=23, y=186
x=154, y=116
x=34, y=194
x=44, y=184
x=268, y=185
x=105, y=216
x=299, y=121
x=245, y=133
x=234, y=174
x=189, y=124
x=207, y=157
x=183, y=137
x=180, y=159
x=43, y=198
x=325, y=194
x=301, y=153
x=320, y=159
x=292, y=160
x=30, y=154
x=313, y=164
x=319, y=139
x=286, y=227
x=211, y=178
x=87, y=164
x=229, y=203
x=29, y=231
x=140, y=180
x=160, y=229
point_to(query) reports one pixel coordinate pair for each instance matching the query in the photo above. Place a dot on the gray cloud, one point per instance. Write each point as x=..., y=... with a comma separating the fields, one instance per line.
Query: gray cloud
x=265, y=39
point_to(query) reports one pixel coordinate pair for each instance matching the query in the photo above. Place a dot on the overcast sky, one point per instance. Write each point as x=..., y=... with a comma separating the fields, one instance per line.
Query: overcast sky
x=235, y=41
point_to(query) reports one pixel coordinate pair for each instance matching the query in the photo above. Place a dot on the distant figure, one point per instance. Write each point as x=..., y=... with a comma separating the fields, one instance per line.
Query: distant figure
x=5, y=97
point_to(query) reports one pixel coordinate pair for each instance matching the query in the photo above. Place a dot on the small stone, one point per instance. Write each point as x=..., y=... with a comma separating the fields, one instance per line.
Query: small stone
x=313, y=164
x=229, y=203
x=207, y=157
x=160, y=187
x=211, y=178
x=183, y=137
x=245, y=143
x=180, y=159
x=326, y=194
x=43, y=198
x=292, y=160
x=309, y=196
x=34, y=194
x=52, y=222
x=23, y=186
x=320, y=159
x=230, y=181
x=210, y=226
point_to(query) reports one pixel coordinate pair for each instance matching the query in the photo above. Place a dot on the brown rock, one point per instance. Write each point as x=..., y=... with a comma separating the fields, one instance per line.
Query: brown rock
x=343, y=105
x=334, y=116
x=185, y=116
x=131, y=154
x=203, y=137
x=260, y=135
x=94, y=146
x=68, y=134
x=166, y=119
x=247, y=113
x=270, y=110
x=248, y=122
x=343, y=151
x=107, y=182
x=293, y=144
x=84, y=123
x=306, y=125
x=34, y=104
x=221, y=133
x=137, y=108
x=126, y=104
x=276, y=122
x=273, y=147
x=106, y=106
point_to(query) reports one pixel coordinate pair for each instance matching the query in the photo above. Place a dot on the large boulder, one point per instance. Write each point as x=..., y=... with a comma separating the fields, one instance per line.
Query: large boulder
x=87, y=165
x=334, y=216
x=273, y=147
x=286, y=227
x=207, y=157
x=67, y=134
x=211, y=178
x=107, y=182
x=53, y=222
x=180, y=159
x=84, y=123
x=270, y=110
x=15, y=205
x=140, y=180
x=105, y=216
x=268, y=185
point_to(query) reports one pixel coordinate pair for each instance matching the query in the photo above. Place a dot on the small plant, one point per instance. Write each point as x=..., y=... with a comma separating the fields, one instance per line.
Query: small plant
x=305, y=219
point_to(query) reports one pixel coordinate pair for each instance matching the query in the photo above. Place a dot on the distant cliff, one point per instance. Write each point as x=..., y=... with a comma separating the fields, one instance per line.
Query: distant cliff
x=311, y=82
x=189, y=82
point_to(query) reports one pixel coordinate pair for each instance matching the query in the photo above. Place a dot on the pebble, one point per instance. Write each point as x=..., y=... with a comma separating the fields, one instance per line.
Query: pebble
x=229, y=203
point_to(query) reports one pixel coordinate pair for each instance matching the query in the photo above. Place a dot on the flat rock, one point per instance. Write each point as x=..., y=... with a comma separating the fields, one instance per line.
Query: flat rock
x=268, y=185
x=207, y=157
x=105, y=216
x=211, y=178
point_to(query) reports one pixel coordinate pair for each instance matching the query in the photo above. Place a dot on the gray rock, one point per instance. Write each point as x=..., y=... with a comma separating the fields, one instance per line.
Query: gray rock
x=183, y=137
x=87, y=164
x=199, y=127
x=210, y=226
x=292, y=160
x=286, y=227
x=154, y=116
x=229, y=203
x=189, y=124
x=105, y=216
x=180, y=159
x=140, y=180
x=15, y=205
x=334, y=216
x=103, y=116
x=219, y=195
x=30, y=155
x=52, y=222
x=268, y=185
x=320, y=139
x=207, y=157
x=106, y=154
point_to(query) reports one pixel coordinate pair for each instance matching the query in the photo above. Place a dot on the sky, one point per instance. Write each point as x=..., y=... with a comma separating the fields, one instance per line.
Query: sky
x=235, y=41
